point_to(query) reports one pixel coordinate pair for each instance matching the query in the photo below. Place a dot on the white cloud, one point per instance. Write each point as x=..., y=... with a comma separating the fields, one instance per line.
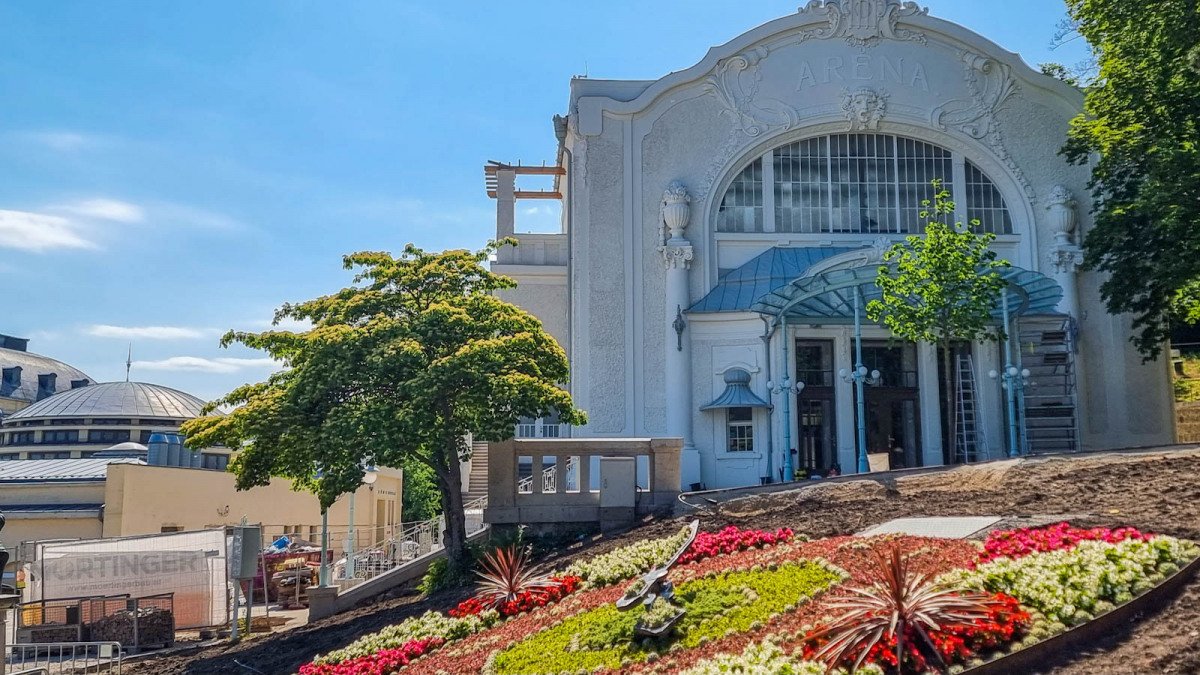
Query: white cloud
x=197, y=364
x=166, y=213
x=60, y=140
x=104, y=209
x=148, y=332
x=28, y=231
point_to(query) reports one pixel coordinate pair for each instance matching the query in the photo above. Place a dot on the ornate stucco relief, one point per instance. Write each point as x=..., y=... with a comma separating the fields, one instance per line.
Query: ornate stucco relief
x=991, y=84
x=863, y=23
x=735, y=82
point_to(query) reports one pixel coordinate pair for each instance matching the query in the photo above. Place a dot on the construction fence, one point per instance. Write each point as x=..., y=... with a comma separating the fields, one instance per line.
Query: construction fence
x=190, y=566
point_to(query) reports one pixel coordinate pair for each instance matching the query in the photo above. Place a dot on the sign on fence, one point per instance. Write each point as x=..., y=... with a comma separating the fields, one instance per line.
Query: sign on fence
x=139, y=573
x=192, y=565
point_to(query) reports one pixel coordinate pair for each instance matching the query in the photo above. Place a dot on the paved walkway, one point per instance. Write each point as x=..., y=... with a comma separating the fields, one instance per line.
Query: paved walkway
x=946, y=528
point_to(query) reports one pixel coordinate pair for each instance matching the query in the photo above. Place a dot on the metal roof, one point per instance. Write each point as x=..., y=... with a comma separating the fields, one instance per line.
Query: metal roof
x=31, y=366
x=45, y=470
x=9, y=509
x=773, y=269
x=115, y=399
x=828, y=297
x=737, y=393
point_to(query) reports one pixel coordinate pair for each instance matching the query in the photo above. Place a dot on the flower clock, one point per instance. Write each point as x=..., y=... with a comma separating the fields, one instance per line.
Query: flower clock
x=755, y=601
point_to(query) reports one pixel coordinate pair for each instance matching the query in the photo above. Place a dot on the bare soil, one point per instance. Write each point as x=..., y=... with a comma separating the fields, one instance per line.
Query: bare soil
x=1155, y=491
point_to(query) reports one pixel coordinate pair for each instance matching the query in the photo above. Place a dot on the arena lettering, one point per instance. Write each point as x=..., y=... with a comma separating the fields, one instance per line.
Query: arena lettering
x=862, y=68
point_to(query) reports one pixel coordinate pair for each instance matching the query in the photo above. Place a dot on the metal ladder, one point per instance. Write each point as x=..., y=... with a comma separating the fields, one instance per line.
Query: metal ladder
x=970, y=447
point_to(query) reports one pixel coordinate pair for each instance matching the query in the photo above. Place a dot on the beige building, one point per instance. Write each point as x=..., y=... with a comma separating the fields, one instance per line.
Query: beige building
x=114, y=497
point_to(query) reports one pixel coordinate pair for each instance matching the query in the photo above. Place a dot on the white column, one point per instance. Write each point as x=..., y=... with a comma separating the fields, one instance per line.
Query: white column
x=990, y=414
x=677, y=257
x=843, y=393
x=506, y=202
x=1064, y=257
x=931, y=409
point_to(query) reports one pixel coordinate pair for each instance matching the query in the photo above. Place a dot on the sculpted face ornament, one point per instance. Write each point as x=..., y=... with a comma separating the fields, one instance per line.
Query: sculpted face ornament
x=864, y=108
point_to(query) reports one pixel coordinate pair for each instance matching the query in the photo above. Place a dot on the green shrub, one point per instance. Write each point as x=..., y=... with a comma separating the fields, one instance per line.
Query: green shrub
x=436, y=577
x=716, y=605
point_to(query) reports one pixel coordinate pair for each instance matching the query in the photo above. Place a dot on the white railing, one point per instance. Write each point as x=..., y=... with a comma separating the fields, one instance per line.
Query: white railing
x=549, y=478
x=54, y=658
x=415, y=540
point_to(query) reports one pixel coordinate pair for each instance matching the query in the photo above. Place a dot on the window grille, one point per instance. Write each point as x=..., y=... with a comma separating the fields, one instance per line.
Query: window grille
x=740, y=429
x=857, y=184
x=742, y=208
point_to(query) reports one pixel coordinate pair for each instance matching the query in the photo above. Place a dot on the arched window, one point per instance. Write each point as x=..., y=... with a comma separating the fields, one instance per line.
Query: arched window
x=855, y=184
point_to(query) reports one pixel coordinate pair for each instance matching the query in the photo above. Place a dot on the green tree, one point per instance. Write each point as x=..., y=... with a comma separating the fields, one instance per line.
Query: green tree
x=940, y=287
x=1141, y=127
x=397, y=368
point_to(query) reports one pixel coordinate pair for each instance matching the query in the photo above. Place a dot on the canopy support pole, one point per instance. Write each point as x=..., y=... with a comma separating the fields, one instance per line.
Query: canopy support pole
x=1010, y=391
x=864, y=466
x=789, y=472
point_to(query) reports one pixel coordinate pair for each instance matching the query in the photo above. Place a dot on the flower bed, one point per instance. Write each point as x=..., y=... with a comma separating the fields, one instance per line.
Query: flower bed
x=753, y=598
x=1071, y=586
x=381, y=662
x=526, y=601
x=731, y=540
x=627, y=562
x=427, y=626
x=955, y=643
x=1024, y=541
x=716, y=605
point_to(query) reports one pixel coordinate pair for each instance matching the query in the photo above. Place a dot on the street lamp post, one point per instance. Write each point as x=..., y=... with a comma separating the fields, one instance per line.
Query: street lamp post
x=370, y=475
x=787, y=390
x=860, y=377
x=1013, y=381
x=323, y=578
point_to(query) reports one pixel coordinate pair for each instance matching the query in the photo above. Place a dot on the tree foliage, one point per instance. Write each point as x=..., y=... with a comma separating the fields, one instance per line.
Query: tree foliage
x=1141, y=127
x=399, y=367
x=940, y=287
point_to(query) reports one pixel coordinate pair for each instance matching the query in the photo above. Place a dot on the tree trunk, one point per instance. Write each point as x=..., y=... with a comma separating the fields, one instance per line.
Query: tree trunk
x=455, y=537
x=948, y=392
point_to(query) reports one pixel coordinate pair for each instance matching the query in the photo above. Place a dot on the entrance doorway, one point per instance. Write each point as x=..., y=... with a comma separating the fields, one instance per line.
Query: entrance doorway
x=817, y=448
x=893, y=406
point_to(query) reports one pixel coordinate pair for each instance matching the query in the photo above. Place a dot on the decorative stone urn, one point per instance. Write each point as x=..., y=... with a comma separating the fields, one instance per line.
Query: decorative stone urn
x=676, y=209
x=1061, y=207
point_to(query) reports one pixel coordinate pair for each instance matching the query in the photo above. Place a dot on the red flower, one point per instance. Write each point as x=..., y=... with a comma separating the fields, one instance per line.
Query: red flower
x=1024, y=541
x=559, y=588
x=383, y=662
x=731, y=540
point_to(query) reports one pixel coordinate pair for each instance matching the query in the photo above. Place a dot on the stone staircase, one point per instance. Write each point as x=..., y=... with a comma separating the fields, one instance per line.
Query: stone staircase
x=477, y=480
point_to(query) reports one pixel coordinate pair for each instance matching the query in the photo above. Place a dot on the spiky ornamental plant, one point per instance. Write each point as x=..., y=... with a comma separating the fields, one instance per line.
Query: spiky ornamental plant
x=506, y=574
x=899, y=601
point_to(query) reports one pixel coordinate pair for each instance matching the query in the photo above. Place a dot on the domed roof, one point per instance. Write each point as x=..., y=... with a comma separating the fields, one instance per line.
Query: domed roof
x=115, y=399
x=31, y=366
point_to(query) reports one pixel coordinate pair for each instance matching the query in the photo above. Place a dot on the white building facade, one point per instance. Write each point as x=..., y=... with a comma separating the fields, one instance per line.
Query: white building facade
x=721, y=224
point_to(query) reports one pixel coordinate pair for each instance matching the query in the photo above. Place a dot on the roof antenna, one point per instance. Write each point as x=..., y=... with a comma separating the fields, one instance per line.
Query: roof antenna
x=129, y=361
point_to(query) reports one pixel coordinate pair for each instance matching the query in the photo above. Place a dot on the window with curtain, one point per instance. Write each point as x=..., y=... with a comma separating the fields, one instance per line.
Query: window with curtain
x=856, y=184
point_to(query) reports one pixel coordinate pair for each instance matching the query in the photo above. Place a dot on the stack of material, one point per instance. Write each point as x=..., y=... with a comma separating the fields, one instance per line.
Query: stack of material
x=155, y=626
x=290, y=585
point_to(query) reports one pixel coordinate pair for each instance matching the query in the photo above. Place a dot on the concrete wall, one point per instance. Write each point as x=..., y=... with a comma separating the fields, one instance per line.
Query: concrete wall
x=145, y=499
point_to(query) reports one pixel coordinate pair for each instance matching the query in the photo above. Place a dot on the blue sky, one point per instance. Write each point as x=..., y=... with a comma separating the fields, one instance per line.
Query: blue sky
x=172, y=169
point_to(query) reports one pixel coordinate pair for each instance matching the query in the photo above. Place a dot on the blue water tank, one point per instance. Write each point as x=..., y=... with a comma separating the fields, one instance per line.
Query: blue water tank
x=157, y=449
